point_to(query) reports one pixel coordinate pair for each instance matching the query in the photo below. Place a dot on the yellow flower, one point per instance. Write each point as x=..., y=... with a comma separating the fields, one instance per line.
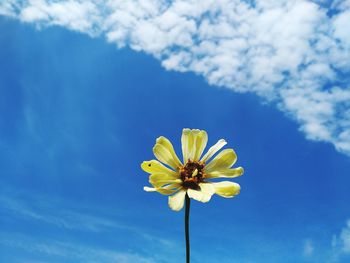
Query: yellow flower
x=177, y=178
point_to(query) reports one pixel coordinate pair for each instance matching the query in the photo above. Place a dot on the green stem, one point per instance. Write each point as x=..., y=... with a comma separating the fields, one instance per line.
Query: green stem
x=187, y=234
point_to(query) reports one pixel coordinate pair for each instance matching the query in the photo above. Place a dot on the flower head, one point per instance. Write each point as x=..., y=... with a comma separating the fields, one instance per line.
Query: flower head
x=170, y=176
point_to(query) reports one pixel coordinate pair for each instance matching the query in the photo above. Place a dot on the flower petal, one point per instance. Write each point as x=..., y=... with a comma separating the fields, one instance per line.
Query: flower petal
x=227, y=189
x=164, y=151
x=176, y=201
x=204, y=194
x=149, y=189
x=207, y=188
x=193, y=143
x=160, y=179
x=227, y=173
x=214, y=149
x=200, y=141
x=165, y=191
x=187, y=143
x=162, y=176
x=222, y=161
x=168, y=190
x=154, y=166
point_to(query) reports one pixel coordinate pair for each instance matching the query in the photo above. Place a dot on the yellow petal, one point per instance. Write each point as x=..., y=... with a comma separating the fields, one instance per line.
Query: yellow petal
x=165, y=153
x=167, y=190
x=153, y=166
x=158, y=180
x=173, y=186
x=168, y=145
x=161, y=176
x=193, y=143
x=200, y=140
x=176, y=201
x=160, y=183
x=222, y=161
x=187, y=143
x=207, y=188
x=227, y=173
x=149, y=189
x=214, y=149
x=227, y=189
x=202, y=195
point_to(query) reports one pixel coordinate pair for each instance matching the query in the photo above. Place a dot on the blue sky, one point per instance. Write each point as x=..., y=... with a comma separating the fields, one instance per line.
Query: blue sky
x=78, y=114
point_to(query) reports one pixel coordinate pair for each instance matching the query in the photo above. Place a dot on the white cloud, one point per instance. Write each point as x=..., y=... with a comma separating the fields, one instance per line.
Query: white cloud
x=345, y=238
x=341, y=4
x=9, y=8
x=341, y=28
x=294, y=53
x=340, y=246
x=54, y=215
x=82, y=16
x=308, y=248
x=35, y=209
x=62, y=250
x=53, y=212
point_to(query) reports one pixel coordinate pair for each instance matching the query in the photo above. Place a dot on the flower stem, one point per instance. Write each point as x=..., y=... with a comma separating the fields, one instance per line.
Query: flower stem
x=187, y=232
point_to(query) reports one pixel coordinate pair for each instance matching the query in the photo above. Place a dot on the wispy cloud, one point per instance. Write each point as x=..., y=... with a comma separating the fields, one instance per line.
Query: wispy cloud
x=308, y=248
x=342, y=241
x=60, y=224
x=69, y=215
x=345, y=238
x=59, y=251
x=333, y=249
x=339, y=249
x=56, y=215
x=291, y=53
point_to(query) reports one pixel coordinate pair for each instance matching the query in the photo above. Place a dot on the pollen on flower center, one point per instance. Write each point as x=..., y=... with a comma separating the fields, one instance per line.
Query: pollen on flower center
x=192, y=174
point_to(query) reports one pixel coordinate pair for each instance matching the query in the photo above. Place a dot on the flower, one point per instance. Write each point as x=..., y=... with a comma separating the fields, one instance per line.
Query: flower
x=170, y=176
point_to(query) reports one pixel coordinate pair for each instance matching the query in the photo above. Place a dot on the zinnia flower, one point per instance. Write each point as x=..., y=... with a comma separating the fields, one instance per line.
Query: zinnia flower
x=170, y=176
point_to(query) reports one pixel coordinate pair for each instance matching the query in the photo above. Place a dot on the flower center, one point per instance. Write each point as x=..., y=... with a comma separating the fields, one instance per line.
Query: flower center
x=192, y=174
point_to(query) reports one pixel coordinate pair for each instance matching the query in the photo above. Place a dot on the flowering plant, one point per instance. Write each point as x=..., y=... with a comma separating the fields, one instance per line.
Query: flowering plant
x=191, y=178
